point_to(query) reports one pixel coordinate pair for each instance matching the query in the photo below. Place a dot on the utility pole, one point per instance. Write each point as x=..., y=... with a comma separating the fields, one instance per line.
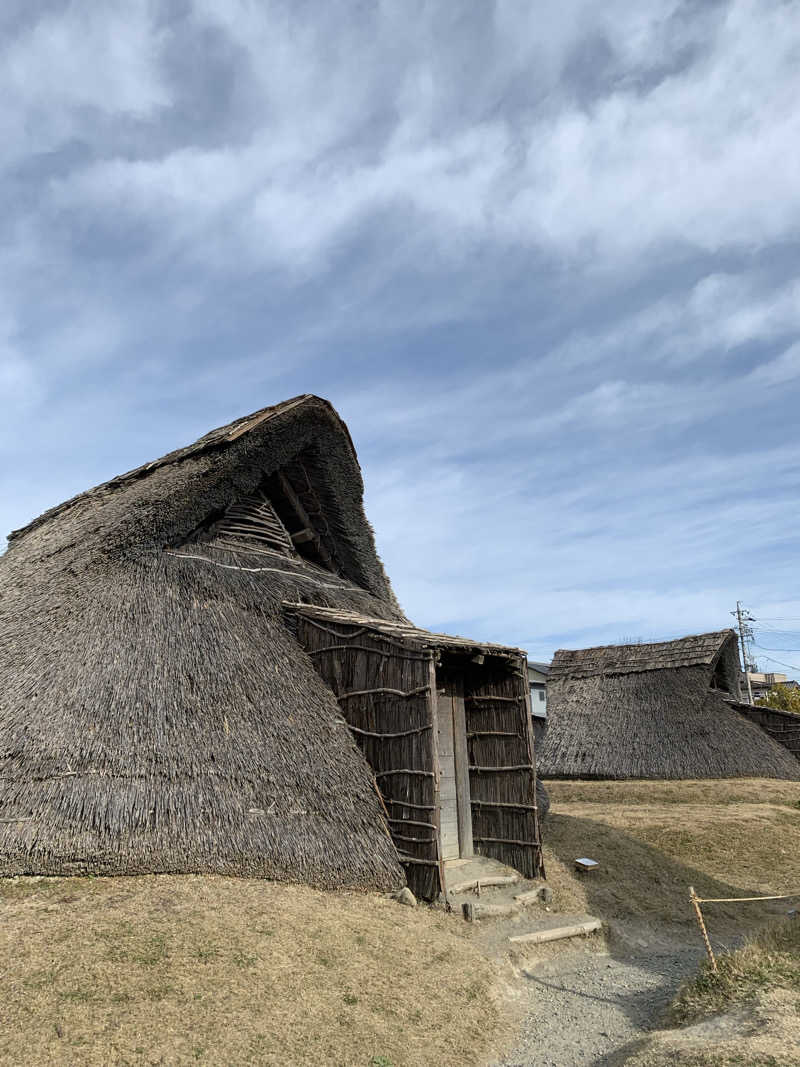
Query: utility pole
x=745, y=633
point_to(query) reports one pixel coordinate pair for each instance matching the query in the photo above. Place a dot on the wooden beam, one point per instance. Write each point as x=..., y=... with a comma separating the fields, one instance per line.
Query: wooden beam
x=433, y=713
x=306, y=523
x=536, y=937
x=492, y=879
x=461, y=759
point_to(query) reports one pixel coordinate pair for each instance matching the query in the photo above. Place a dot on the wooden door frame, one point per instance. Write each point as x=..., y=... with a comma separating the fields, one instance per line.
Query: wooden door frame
x=453, y=693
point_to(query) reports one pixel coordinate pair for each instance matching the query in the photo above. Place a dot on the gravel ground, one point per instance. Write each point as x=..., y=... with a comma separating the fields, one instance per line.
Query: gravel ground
x=584, y=1007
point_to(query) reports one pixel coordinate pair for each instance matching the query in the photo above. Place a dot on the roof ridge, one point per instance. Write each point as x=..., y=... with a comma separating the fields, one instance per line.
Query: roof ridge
x=216, y=438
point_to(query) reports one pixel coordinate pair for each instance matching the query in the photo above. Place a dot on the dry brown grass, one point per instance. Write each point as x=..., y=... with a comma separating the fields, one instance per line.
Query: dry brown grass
x=729, y=838
x=169, y=969
x=769, y=961
x=743, y=1015
x=717, y=791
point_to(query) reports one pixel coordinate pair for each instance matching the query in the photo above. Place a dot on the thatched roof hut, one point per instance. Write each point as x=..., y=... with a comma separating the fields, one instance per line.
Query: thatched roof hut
x=657, y=710
x=157, y=713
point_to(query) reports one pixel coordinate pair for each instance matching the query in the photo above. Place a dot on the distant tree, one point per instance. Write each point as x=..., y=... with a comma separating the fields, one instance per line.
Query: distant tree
x=783, y=698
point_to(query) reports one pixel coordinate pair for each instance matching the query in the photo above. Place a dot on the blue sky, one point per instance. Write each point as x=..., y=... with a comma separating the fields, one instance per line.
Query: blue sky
x=543, y=258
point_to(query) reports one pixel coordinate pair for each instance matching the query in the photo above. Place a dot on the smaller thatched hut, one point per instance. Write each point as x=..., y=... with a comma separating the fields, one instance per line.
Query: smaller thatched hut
x=659, y=710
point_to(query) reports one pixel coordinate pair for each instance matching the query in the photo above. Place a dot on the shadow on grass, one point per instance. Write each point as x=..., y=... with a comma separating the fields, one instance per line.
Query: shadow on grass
x=643, y=895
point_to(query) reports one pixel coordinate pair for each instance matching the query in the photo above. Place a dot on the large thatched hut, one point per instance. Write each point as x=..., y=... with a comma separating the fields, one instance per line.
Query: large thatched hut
x=661, y=710
x=166, y=703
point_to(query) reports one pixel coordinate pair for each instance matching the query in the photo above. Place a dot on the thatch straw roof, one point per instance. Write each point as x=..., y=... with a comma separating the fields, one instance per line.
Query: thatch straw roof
x=403, y=632
x=155, y=713
x=696, y=650
x=654, y=711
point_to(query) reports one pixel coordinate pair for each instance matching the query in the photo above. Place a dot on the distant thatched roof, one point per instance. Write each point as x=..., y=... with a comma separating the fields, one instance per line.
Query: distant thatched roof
x=697, y=650
x=155, y=714
x=654, y=711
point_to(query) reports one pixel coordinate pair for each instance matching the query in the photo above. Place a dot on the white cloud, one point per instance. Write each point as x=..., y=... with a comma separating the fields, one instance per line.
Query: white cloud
x=696, y=160
x=72, y=64
x=783, y=369
x=613, y=150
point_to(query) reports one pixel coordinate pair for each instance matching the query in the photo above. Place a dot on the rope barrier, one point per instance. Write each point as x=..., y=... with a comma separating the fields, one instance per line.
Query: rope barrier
x=738, y=900
x=697, y=901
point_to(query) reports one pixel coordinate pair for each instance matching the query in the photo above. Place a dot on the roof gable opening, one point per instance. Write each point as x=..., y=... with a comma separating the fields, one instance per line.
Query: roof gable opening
x=284, y=514
x=250, y=522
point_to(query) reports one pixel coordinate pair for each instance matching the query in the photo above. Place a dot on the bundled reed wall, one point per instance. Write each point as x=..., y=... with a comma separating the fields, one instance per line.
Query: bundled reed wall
x=502, y=775
x=781, y=726
x=385, y=694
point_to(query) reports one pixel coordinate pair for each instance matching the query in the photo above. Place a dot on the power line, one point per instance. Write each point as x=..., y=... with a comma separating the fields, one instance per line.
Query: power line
x=768, y=649
x=792, y=666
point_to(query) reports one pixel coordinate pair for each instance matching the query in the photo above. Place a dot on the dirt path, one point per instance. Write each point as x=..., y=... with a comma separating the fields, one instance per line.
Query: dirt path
x=583, y=1007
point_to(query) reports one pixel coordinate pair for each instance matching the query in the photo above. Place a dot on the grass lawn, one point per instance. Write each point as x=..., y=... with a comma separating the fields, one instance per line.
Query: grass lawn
x=191, y=969
x=726, y=838
x=655, y=839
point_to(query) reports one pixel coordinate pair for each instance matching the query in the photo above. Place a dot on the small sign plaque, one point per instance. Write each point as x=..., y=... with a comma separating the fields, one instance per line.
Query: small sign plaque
x=585, y=864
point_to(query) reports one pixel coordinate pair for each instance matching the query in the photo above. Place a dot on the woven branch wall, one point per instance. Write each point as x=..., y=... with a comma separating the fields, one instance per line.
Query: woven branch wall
x=369, y=673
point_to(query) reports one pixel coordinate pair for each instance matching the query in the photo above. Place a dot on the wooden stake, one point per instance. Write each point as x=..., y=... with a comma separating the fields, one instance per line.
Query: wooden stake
x=700, y=922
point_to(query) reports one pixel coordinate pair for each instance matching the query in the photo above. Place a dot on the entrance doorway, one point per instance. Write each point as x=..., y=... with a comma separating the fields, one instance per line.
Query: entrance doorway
x=455, y=812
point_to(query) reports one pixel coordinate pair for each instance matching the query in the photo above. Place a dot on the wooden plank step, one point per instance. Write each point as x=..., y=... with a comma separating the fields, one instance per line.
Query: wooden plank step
x=533, y=896
x=489, y=880
x=557, y=933
x=473, y=911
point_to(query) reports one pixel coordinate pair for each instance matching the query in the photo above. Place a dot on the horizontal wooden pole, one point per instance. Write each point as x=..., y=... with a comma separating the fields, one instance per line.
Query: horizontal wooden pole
x=400, y=733
x=475, y=700
x=413, y=840
x=507, y=841
x=494, y=733
x=364, y=648
x=409, y=804
x=403, y=770
x=394, y=692
x=513, y=767
x=493, y=879
x=558, y=932
x=415, y=822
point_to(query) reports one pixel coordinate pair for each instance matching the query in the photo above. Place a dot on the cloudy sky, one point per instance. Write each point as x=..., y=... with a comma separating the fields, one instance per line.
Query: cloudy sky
x=543, y=258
